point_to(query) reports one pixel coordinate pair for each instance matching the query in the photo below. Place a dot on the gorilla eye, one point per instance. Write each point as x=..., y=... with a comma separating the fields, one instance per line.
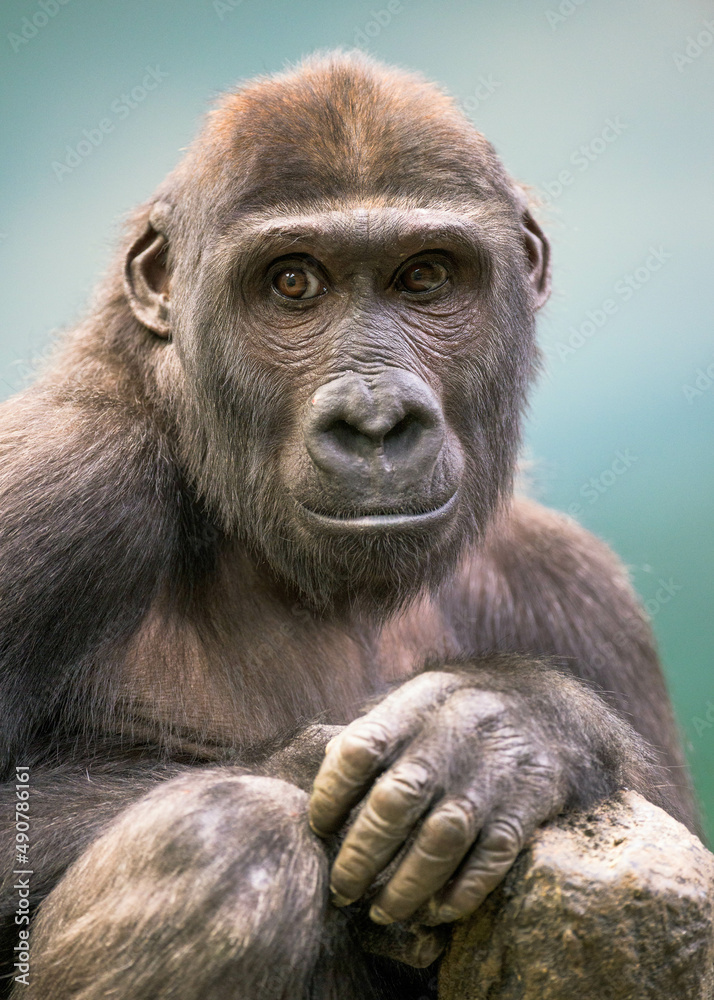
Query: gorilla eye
x=298, y=283
x=423, y=277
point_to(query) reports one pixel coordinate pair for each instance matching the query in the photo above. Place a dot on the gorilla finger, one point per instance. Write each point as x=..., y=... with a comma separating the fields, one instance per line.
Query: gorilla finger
x=351, y=762
x=443, y=840
x=364, y=748
x=498, y=847
x=392, y=809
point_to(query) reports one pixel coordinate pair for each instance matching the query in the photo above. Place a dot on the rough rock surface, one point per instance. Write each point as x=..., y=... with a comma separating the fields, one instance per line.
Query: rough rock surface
x=617, y=904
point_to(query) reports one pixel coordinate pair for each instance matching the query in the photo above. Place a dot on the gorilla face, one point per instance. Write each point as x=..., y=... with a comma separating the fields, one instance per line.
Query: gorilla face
x=352, y=322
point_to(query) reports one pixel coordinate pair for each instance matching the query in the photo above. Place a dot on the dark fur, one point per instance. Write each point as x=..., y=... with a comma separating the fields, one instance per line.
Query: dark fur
x=163, y=611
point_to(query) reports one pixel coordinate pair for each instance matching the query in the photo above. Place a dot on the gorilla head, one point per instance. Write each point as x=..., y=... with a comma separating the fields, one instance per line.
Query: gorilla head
x=340, y=281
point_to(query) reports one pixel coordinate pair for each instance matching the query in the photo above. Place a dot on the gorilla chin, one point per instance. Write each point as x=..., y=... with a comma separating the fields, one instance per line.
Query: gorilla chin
x=371, y=565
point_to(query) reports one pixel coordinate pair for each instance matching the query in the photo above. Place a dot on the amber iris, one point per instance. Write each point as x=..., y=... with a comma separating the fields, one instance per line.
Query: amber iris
x=298, y=283
x=423, y=277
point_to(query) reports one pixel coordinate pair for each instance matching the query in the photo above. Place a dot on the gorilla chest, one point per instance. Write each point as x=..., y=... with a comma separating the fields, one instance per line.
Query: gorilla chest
x=239, y=682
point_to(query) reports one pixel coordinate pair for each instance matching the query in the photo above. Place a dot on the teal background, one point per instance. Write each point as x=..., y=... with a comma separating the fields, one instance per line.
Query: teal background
x=555, y=75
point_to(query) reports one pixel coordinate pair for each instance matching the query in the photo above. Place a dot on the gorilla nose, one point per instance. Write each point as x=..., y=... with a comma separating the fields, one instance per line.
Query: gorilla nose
x=385, y=430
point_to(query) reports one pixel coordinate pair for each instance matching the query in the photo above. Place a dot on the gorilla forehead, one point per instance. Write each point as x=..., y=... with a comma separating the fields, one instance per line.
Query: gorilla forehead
x=343, y=126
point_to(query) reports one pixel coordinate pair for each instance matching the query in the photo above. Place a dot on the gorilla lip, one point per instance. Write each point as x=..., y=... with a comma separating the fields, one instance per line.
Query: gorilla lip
x=367, y=522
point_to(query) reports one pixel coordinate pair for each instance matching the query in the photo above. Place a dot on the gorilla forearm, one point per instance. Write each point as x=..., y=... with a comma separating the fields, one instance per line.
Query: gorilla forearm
x=88, y=813
x=126, y=814
x=69, y=808
x=174, y=869
x=72, y=804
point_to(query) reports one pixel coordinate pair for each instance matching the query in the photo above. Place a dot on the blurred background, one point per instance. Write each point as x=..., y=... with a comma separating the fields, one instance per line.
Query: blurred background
x=604, y=107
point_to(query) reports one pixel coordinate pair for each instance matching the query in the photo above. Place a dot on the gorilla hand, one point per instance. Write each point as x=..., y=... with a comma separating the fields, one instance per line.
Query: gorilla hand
x=471, y=762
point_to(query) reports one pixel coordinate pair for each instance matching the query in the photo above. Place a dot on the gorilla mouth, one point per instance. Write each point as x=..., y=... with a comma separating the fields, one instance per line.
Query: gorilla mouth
x=386, y=521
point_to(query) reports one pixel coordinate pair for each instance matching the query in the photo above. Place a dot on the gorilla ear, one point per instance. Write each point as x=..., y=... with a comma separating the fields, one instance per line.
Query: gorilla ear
x=538, y=252
x=146, y=276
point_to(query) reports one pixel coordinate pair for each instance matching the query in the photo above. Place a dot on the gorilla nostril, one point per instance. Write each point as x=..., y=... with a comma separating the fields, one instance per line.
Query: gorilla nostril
x=395, y=444
x=400, y=427
x=403, y=436
x=349, y=439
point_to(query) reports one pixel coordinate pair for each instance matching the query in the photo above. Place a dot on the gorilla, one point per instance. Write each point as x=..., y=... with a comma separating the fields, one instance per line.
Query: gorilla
x=289, y=674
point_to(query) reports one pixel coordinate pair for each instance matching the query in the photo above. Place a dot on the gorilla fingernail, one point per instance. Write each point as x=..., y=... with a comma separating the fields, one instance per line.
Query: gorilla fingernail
x=378, y=916
x=338, y=900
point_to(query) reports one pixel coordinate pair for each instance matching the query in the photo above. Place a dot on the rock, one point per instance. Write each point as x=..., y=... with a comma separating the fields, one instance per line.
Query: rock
x=617, y=904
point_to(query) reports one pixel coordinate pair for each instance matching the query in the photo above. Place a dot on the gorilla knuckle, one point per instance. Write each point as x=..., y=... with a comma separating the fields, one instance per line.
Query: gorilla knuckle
x=543, y=765
x=503, y=838
x=435, y=683
x=401, y=791
x=451, y=827
x=484, y=708
x=362, y=748
x=410, y=781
